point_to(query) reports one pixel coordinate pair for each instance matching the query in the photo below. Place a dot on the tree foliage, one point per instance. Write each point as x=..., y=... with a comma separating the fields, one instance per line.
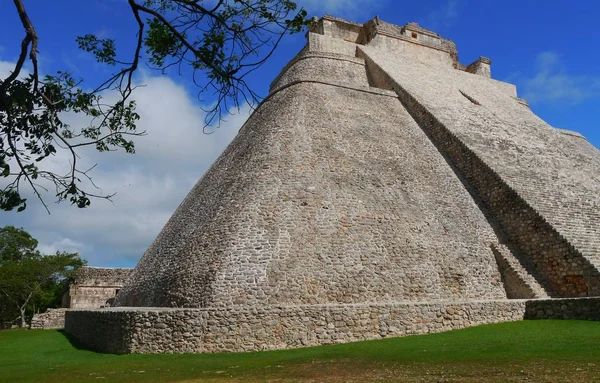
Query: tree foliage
x=220, y=43
x=15, y=244
x=30, y=281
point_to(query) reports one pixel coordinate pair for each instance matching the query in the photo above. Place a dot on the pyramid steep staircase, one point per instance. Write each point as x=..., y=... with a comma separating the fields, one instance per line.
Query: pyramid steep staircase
x=518, y=282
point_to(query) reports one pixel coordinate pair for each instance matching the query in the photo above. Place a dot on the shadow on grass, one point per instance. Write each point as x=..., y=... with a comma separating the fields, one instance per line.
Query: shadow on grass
x=77, y=344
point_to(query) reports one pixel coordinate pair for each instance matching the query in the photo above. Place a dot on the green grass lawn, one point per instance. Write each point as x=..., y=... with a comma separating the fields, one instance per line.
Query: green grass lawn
x=527, y=351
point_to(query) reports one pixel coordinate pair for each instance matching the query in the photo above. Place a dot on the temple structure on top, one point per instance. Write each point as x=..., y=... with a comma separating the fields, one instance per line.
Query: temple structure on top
x=381, y=189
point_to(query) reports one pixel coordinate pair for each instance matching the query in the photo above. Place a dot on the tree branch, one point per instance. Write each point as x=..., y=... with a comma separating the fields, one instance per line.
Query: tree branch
x=24, y=45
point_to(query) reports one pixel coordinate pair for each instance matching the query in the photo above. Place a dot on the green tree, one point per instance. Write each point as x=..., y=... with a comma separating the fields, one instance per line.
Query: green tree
x=30, y=281
x=15, y=244
x=220, y=42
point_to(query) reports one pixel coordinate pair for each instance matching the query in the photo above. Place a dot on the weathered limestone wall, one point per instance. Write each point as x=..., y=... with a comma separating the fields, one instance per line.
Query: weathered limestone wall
x=556, y=173
x=481, y=66
x=92, y=296
x=582, y=309
x=154, y=330
x=326, y=44
x=92, y=287
x=324, y=68
x=432, y=56
x=504, y=176
x=95, y=287
x=346, y=31
x=310, y=205
x=51, y=319
x=518, y=282
x=381, y=189
x=99, y=276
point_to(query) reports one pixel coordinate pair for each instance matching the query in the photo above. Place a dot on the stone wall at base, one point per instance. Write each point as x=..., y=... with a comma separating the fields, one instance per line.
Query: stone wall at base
x=51, y=319
x=169, y=330
x=584, y=308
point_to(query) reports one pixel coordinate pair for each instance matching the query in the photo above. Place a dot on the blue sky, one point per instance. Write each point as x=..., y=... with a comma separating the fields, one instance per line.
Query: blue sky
x=549, y=49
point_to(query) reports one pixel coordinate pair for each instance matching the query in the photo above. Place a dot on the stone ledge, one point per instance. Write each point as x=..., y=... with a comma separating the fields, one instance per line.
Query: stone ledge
x=167, y=330
x=273, y=87
x=370, y=89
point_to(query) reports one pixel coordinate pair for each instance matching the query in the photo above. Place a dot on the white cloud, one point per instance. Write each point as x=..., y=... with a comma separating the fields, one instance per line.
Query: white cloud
x=364, y=9
x=7, y=67
x=149, y=184
x=553, y=83
x=62, y=244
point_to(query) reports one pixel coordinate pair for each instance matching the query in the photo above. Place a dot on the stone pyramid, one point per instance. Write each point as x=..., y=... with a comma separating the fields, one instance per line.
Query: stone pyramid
x=382, y=188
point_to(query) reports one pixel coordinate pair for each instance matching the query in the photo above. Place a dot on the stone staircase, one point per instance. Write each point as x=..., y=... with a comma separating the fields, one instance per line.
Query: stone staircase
x=518, y=282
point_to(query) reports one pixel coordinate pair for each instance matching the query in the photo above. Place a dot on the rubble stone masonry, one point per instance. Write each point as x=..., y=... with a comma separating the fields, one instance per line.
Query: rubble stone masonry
x=95, y=287
x=92, y=287
x=381, y=189
x=167, y=330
